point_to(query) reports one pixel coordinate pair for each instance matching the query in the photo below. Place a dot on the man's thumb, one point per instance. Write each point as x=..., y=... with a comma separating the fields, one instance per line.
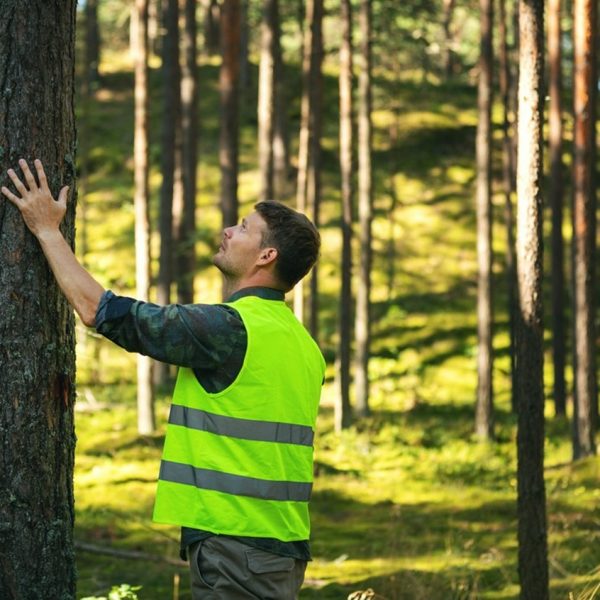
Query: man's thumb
x=62, y=196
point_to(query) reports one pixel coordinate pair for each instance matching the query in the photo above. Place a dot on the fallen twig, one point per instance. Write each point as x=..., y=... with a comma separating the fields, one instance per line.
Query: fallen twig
x=128, y=554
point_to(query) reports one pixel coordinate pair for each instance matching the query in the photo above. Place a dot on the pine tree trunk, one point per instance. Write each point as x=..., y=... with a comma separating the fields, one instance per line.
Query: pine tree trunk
x=212, y=31
x=555, y=191
x=309, y=177
x=584, y=228
x=229, y=86
x=533, y=552
x=145, y=391
x=484, y=426
x=281, y=141
x=170, y=118
x=508, y=185
x=365, y=216
x=343, y=413
x=37, y=337
x=92, y=45
x=266, y=98
x=448, y=54
x=245, y=70
x=186, y=255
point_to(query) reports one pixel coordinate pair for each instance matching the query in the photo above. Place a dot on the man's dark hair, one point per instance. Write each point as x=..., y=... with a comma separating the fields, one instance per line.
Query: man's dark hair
x=295, y=238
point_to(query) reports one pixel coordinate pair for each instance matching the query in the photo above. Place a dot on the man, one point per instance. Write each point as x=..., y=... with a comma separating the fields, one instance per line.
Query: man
x=236, y=472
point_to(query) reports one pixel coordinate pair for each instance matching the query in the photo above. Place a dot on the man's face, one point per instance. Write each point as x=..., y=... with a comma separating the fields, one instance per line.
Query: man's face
x=241, y=246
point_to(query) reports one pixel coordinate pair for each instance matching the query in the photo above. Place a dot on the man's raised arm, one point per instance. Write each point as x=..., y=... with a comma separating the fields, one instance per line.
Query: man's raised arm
x=43, y=215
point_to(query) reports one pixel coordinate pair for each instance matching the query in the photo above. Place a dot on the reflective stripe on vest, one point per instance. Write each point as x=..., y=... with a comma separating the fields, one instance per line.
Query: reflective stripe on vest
x=244, y=429
x=208, y=479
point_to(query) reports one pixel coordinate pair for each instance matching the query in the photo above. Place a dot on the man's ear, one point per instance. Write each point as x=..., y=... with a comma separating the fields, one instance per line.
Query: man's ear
x=267, y=256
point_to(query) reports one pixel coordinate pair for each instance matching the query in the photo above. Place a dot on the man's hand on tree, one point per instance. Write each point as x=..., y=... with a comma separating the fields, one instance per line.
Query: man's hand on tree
x=41, y=213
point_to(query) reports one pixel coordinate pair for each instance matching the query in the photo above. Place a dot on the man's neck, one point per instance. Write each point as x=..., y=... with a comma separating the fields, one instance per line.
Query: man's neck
x=231, y=286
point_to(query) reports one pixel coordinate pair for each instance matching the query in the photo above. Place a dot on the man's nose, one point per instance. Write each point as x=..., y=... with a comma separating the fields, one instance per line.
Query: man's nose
x=228, y=231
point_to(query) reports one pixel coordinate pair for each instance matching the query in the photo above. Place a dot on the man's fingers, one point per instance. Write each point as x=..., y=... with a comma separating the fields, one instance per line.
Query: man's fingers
x=17, y=182
x=12, y=197
x=39, y=167
x=28, y=175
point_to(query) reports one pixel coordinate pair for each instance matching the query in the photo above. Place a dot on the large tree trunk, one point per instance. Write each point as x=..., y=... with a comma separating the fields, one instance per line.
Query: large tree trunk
x=484, y=426
x=365, y=216
x=584, y=228
x=186, y=254
x=37, y=337
x=309, y=151
x=170, y=118
x=508, y=185
x=533, y=558
x=555, y=191
x=145, y=391
x=342, y=405
x=266, y=97
x=229, y=86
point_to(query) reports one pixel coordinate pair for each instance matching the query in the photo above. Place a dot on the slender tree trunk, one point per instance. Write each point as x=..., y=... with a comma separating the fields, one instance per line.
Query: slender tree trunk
x=92, y=45
x=170, y=119
x=154, y=26
x=508, y=185
x=448, y=53
x=309, y=178
x=186, y=255
x=281, y=142
x=212, y=17
x=343, y=415
x=266, y=97
x=145, y=391
x=514, y=91
x=37, y=329
x=533, y=551
x=555, y=189
x=584, y=228
x=229, y=86
x=365, y=216
x=314, y=173
x=245, y=71
x=484, y=426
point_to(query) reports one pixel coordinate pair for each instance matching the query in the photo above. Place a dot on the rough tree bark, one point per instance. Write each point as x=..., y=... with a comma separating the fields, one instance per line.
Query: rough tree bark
x=484, y=424
x=531, y=504
x=37, y=338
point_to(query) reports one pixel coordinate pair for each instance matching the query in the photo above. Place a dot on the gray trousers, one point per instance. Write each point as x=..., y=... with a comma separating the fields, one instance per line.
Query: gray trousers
x=224, y=569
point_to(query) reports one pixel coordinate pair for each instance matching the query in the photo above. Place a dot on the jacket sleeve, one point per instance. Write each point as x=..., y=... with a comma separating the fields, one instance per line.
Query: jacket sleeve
x=197, y=336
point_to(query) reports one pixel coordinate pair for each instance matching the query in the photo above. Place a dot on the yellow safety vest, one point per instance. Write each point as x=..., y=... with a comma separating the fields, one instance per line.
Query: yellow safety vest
x=240, y=461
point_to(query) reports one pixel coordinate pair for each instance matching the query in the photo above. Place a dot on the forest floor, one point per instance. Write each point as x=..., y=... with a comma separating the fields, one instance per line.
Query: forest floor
x=406, y=502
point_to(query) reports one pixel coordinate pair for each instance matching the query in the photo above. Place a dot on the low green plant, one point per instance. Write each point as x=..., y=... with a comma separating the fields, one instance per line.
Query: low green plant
x=119, y=592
